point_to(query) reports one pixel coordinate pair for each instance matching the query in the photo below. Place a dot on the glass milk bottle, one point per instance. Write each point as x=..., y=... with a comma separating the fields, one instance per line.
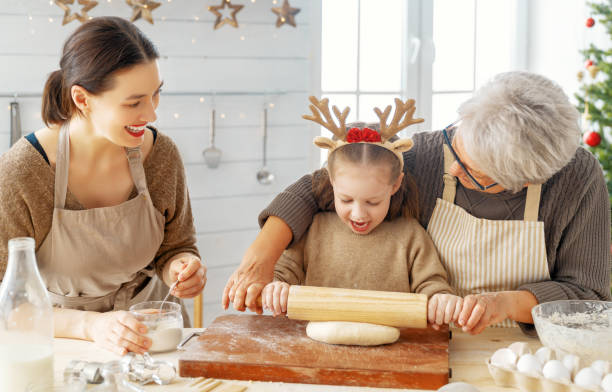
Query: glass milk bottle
x=26, y=322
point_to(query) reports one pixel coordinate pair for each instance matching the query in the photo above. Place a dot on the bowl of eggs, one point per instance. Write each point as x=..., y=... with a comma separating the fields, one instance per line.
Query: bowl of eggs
x=579, y=327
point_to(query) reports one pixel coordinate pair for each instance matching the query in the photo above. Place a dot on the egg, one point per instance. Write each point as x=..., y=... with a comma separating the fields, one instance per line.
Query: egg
x=587, y=378
x=529, y=364
x=606, y=383
x=458, y=387
x=520, y=348
x=545, y=354
x=556, y=371
x=601, y=366
x=571, y=362
x=504, y=357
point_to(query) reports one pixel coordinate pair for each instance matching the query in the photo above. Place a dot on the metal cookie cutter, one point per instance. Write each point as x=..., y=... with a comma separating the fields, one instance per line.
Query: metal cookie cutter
x=144, y=369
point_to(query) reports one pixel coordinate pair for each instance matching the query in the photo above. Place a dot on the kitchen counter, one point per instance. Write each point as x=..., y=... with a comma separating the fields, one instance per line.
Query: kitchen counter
x=467, y=361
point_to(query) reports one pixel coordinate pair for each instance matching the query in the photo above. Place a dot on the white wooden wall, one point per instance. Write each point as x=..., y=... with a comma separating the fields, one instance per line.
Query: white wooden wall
x=277, y=67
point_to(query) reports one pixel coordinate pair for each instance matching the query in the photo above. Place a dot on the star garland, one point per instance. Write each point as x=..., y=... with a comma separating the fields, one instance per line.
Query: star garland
x=142, y=9
x=220, y=21
x=80, y=16
x=285, y=14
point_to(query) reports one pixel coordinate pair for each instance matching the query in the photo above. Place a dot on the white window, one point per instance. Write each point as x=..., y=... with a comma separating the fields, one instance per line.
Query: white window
x=474, y=40
x=437, y=52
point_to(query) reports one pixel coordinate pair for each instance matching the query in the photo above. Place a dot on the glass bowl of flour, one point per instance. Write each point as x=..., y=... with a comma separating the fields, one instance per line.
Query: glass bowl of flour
x=164, y=323
x=579, y=327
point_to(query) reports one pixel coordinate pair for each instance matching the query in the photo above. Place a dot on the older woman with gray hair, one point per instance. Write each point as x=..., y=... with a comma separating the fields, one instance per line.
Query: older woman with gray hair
x=518, y=211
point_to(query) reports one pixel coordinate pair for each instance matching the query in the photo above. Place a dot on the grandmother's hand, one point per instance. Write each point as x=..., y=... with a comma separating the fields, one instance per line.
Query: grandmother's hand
x=246, y=284
x=191, y=274
x=481, y=310
x=118, y=332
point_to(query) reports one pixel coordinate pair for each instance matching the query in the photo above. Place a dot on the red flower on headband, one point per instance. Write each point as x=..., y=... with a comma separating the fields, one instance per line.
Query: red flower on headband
x=356, y=135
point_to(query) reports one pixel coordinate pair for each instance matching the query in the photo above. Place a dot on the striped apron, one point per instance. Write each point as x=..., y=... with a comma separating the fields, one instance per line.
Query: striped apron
x=483, y=255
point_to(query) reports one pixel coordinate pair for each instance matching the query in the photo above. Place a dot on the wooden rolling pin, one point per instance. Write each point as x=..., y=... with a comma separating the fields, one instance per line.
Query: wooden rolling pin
x=363, y=306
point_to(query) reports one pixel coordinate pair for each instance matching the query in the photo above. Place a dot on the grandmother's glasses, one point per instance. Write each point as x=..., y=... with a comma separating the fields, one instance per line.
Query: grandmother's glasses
x=465, y=170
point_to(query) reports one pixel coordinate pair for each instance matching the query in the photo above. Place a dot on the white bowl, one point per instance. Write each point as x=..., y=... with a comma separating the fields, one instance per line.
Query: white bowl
x=579, y=327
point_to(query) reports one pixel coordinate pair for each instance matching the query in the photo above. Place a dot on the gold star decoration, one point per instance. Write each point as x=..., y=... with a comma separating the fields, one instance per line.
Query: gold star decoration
x=142, y=9
x=80, y=16
x=220, y=21
x=285, y=14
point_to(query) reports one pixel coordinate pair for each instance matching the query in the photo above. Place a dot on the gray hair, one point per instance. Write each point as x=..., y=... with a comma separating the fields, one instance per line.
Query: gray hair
x=520, y=128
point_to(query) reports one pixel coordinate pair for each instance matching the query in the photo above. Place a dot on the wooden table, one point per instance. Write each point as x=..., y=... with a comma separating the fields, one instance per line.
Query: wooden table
x=467, y=360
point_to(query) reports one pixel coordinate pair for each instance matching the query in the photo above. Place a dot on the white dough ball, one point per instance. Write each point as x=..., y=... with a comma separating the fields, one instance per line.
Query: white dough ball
x=458, y=387
x=545, y=354
x=556, y=371
x=587, y=378
x=350, y=333
x=601, y=366
x=529, y=364
x=504, y=357
x=520, y=348
x=606, y=383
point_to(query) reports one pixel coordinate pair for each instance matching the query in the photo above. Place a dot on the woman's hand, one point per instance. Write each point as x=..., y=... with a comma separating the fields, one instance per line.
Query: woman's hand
x=118, y=332
x=481, y=310
x=274, y=297
x=443, y=309
x=191, y=274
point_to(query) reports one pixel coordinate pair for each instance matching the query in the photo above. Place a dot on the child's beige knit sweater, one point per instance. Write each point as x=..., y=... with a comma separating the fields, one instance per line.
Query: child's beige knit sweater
x=397, y=255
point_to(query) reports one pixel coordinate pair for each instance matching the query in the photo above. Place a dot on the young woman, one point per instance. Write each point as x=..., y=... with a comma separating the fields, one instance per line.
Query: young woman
x=102, y=192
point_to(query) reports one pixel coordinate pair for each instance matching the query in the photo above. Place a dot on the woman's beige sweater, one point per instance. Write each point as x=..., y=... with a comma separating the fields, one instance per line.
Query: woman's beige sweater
x=27, y=189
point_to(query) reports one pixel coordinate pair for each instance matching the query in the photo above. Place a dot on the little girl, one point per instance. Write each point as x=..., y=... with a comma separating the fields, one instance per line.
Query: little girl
x=370, y=242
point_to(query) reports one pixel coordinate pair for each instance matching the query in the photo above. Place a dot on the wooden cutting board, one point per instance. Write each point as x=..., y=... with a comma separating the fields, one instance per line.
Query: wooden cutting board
x=266, y=348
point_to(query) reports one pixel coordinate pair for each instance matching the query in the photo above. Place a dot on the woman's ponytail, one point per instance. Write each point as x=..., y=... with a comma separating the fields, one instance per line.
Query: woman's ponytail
x=56, y=102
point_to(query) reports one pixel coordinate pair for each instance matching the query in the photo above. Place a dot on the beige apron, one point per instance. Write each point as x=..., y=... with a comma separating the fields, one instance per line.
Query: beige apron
x=100, y=259
x=484, y=255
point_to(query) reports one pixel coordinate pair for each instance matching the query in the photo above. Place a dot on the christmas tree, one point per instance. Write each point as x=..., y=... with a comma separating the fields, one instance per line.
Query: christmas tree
x=595, y=96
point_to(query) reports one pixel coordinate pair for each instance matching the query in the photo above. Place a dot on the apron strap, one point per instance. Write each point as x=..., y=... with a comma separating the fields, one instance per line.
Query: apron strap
x=450, y=182
x=62, y=163
x=532, y=202
x=136, y=168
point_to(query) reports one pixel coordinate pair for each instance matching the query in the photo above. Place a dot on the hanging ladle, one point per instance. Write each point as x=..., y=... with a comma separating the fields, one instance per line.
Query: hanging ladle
x=212, y=155
x=264, y=177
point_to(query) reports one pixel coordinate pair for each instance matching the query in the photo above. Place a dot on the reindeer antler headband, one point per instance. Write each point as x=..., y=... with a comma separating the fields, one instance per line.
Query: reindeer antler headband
x=401, y=119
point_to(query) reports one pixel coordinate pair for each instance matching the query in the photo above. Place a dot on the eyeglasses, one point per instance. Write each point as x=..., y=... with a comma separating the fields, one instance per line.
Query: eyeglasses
x=465, y=170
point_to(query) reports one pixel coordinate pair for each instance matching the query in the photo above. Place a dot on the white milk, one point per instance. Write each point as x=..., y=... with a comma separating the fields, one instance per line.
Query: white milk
x=166, y=335
x=24, y=364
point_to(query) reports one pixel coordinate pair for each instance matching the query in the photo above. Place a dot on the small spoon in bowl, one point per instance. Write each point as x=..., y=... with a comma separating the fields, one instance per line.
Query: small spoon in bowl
x=167, y=295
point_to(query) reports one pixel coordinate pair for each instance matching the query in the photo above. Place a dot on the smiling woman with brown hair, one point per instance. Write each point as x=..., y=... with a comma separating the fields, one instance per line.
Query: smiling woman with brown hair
x=517, y=210
x=102, y=192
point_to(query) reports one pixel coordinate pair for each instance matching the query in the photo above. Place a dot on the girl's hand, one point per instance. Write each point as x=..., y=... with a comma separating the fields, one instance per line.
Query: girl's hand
x=191, y=274
x=118, y=332
x=443, y=309
x=274, y=297
x=481, y=310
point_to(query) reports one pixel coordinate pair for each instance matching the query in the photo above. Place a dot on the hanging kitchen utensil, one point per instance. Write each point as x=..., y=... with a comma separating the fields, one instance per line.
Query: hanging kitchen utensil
x=263, y=175
x=15, y=122
x=212, y=155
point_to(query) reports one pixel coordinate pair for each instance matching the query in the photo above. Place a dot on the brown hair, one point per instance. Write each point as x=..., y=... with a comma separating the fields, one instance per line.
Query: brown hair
x=91, y=55
x=403, y=203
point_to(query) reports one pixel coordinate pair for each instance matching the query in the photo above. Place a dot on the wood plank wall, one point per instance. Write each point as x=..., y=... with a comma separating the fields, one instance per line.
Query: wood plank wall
x=275, y=67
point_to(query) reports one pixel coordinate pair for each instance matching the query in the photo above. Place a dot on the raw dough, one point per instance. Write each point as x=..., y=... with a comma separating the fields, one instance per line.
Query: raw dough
x=344, y=332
